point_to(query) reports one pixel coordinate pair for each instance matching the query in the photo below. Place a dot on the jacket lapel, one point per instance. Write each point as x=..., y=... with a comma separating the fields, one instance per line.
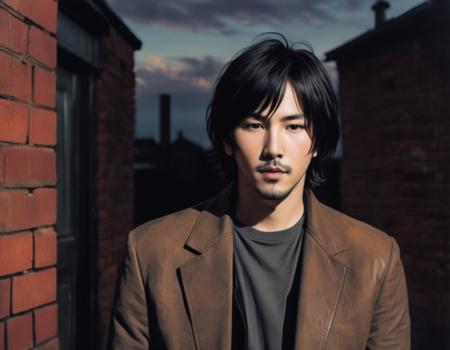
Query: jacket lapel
x=207, y=278
x=322, y=276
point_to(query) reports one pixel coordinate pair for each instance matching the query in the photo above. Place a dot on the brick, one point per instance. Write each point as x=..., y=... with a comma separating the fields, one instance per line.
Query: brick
x=42, y=12
x=27, y=166
x=13, y=32
x=5, y=297
x=52, y=344
x=33, y=289
x=42, y=127
x=44, y=247
x=16, y=253
x=2, y=336
x=45, y=323
x=44, y=87
x=20, y=332
x=21, y=210
x=15, y=79
x=13, y=121
x=116, y=138
x=42, y=47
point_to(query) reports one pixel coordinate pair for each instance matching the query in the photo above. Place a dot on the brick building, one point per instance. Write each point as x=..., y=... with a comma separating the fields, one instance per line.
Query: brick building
x=395, y=172
x=66, y=169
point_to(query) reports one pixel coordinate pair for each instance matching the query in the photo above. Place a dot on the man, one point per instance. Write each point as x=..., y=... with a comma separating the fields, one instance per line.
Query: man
x=264, y=264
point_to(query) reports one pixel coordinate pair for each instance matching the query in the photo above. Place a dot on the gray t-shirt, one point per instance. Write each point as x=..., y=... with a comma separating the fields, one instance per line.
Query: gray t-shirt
x=265, y=264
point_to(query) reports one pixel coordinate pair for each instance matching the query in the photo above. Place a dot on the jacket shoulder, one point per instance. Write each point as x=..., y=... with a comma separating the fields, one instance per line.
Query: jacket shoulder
x=360, y=238
x=166, y=230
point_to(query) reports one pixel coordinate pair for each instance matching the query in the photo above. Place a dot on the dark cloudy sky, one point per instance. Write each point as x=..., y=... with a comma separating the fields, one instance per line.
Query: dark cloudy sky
x=186, y=42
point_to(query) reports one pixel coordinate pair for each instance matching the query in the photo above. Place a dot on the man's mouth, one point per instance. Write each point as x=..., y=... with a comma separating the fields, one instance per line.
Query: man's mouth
x=273, y=170
x=272, y=174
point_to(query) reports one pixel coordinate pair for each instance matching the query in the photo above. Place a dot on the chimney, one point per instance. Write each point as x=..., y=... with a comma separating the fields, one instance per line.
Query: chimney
x=380, y=12
x=164, y=120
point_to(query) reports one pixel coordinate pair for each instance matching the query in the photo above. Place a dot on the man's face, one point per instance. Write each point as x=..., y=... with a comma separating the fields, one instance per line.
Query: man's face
x=274, y=153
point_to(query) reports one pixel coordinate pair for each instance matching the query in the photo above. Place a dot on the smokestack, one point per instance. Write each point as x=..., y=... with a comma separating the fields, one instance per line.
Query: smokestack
x=380, y=12
x=164, y=120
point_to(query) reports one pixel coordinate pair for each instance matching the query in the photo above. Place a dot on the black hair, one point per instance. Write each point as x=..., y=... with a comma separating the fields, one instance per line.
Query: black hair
x=255, y=79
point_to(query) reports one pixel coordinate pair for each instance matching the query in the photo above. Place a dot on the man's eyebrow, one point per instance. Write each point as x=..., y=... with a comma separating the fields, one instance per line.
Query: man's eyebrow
x=293, y=117
x=285, y=118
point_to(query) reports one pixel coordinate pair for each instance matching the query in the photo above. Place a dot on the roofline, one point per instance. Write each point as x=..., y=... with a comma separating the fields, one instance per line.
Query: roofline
x=119, y=24
x=96, y=17
x=336, y=52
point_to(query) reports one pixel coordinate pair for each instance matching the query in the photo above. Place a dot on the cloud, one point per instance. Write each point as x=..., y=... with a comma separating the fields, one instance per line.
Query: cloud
x=223, y=15
x=184, y=77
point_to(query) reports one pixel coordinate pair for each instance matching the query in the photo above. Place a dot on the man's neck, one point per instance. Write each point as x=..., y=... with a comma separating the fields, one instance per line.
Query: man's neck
x=269, y=215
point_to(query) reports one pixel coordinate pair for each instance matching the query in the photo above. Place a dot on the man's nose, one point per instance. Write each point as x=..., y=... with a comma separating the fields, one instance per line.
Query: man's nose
x=272, y=145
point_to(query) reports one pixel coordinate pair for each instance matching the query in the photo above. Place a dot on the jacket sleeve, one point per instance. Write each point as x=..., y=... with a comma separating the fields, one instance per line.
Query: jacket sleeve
x=390, y=327
x=129, y=324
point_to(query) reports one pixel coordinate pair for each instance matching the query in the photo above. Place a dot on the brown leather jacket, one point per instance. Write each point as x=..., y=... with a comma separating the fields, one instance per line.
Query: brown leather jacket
x=176, y=287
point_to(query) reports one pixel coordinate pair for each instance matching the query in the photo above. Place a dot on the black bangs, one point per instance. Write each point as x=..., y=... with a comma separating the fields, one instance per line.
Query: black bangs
x=260, y=80
x=255, y=81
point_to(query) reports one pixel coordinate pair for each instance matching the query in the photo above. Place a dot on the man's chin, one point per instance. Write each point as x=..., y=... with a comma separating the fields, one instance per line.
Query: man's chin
x=273, y=193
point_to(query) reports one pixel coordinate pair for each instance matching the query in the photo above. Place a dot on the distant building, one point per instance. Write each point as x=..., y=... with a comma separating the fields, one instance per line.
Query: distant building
x=394, y=86
x=66, y=169
x=172, y=177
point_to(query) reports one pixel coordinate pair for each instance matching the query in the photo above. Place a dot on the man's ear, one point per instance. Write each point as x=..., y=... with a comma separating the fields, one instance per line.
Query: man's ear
x=228, y=149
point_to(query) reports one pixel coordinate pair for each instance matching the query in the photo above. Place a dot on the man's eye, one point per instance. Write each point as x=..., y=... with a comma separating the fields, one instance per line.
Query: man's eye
x=253, y=126
x=296, y=127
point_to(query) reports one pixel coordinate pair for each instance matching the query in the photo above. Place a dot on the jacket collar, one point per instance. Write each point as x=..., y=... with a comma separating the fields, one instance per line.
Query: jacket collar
x=214, y=220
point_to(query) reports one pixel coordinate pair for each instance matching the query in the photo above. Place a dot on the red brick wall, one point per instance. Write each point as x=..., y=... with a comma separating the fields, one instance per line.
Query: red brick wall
x=115, y=155
x=28, y=309
x=396, y=166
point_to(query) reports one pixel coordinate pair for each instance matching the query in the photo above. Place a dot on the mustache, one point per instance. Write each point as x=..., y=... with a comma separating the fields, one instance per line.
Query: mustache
x=268, y=166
